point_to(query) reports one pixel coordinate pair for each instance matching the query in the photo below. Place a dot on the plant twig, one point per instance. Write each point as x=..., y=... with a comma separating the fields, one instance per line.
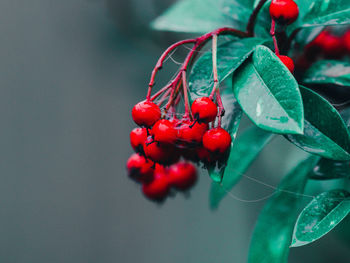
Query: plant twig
x=253, y=17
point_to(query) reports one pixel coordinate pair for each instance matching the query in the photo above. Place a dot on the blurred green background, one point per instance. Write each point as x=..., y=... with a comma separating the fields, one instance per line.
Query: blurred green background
x=71, y=70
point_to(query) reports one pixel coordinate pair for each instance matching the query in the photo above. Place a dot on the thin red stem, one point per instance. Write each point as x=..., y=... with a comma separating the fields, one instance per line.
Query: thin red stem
x=253, y=17
x=215, y=69
x=165, y=95
x=221, y=107
x=184, y=86
x=273, y=34
x=160, y=92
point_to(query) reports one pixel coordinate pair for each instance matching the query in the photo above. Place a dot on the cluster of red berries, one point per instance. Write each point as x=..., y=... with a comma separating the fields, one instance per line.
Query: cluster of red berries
x=283, y=12
x=161, y=141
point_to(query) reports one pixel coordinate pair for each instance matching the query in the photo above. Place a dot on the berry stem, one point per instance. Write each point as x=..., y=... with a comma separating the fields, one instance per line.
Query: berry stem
x=165, y=95
x=215, y=68
x=253, y=17
x=198, y=43
x=184, y=86
x=160, y=92
x=221, y=112
x=273, y=34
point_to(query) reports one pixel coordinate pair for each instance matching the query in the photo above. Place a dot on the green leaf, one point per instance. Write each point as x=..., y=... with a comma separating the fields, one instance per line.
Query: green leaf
x=202, y=16
x=230, y=122
x=243, y=152
x=327, y=169
x=328, y=72
x=325, y=132
x=230, y=56
x=269, y=94
x=326, y=13
x=320, y=216
x=273, y=231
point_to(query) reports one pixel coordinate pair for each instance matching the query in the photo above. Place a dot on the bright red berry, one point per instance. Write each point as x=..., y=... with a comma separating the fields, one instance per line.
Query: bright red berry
x=164, y=131
x=159, y=187
x=330, y=45
x=284, y=11
x=137, y=138
x=182, y=175
x=146, y=113
x=217, y=140
x=204, y=110
x=139, y=168
x=346, y=41
x=288, y=62
x=191, y=132
x=158, y=152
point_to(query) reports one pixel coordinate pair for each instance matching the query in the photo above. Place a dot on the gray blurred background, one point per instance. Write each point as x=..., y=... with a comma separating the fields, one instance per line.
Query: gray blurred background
x=70, y=72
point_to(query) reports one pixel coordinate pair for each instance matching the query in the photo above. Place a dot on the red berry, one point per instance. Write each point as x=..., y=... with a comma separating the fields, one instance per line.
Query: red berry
x=139, y=168
x=164, y=132
x=137, y=138
x=329, y=44
x=284, y=11
x=191, y=133
x=204, y=155
x=347, y=41
x=159, y=187
x=204, y=110
x=182, y=175
x=288, y=62
x=217, y=140
x=146, y=113
x=158, y=152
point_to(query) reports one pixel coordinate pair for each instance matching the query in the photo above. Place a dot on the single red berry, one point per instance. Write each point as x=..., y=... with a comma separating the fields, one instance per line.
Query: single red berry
x=191, y=132
x=146, y=113
x=217, y=140
x=139, y=168
x=288, y=62
x=158, y=152
x=330, y=45
x=137, y=138
x=182, y=175
x=204, y=110
x=347, y=41
x=204, y=155
x=159, y=187
x=284, y=11
x=164, y=131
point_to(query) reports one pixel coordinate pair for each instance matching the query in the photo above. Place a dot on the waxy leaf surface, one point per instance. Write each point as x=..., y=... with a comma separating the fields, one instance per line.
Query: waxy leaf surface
x=269, y=94
x=328, y=72
x=327, y=169
x=273, y=231
x=325, y=132
x=320, y=216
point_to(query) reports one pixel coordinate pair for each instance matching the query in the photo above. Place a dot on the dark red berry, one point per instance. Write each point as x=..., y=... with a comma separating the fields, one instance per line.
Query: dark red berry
x=164, y=131
x=146, y=113
x=158, y=152
x=284, y=11
x=217, y=140
x=139, y=168
x=182, y=175
x=204, y=155
x=330, y=45
x=288, y=62
x=204, y=110
x=191, y=133
x=137, y=138
x=159, y=187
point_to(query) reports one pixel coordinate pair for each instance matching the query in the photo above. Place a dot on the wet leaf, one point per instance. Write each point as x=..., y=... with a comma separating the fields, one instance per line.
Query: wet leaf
x=327, y=169
x=202, y=16
x=273, y=231
x=244, y=151
x=269, y=94
x=325, y=132
x=320, y=216
x=328, y=72
x=230, y=56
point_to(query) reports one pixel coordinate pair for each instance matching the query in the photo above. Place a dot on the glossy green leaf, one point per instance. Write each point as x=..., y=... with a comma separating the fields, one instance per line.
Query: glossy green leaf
x=230, y=56
x=269, y=94
x=345, y=114
x=230, y=122
x=273, y=231
x=320, y=216
x=326, y=13
x=327, y=169
x=328, y=72
x=325, y=132
x=202, y=16
x=243, y=152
